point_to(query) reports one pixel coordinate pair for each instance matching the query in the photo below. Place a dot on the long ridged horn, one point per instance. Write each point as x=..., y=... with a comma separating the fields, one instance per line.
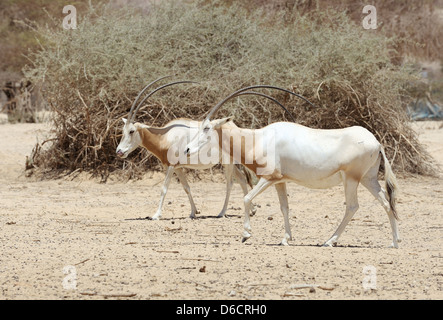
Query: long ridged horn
x=232, y=95
x=141, y=92
x=154, y=91
x=270, y=98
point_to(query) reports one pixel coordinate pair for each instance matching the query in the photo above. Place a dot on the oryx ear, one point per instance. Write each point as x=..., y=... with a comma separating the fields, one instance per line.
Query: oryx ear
x=219, y=122
x=124, y=120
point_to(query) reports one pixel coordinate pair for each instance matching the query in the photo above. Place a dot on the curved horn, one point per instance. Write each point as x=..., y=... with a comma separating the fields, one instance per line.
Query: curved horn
x=270, y=98
x=141, y=92
x=152, y=92
x=232, y=95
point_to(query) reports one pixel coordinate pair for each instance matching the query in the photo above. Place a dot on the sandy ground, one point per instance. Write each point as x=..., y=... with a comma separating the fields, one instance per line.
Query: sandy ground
x=79, y=239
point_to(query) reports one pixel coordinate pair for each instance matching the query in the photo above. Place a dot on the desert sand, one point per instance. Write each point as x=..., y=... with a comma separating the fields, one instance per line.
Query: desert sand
x=79, y=239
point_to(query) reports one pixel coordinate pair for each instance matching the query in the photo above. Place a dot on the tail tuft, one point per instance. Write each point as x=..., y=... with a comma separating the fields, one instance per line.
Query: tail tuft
x=391, y=185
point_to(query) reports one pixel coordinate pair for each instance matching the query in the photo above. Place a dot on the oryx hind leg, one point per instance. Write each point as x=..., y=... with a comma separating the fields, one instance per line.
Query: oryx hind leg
x=370, y=181
x=350, y=185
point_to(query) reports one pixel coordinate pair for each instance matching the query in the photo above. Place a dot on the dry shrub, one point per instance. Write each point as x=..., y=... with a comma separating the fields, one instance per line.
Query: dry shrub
x=16, y=39
x=92, y=75
x=417, y=25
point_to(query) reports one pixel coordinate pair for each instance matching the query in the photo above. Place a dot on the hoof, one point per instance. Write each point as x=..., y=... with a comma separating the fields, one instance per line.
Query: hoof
x=329, y=244
x=246, y=236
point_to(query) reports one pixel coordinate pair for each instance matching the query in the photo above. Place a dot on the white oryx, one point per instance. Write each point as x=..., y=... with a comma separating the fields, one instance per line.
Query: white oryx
x=314, y=158
x=158, y=141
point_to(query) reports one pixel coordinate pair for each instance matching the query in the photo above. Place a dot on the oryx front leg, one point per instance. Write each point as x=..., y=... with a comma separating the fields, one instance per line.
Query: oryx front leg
x=351, y=208
x=228, y=174
x=244, y=186
x=283, y=198
x=184, y=182
x=259, y=188
x=168, y=177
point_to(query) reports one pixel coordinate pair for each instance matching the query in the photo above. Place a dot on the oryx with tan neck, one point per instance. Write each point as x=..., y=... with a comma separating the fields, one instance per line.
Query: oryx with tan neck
x=314, y=158
x=160, y=140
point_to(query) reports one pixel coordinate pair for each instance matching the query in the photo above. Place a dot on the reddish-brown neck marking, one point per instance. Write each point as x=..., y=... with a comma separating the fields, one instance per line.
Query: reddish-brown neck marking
x=155, y=144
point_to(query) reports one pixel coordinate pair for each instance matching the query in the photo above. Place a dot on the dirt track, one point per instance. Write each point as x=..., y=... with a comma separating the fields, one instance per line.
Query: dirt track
x=52, y=231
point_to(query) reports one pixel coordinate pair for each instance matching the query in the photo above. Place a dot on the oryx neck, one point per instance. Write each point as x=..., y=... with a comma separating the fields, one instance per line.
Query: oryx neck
x=153, y=141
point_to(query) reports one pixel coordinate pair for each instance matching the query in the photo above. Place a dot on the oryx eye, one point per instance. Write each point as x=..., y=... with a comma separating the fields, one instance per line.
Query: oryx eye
x=131, y=132
x=206, y=129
